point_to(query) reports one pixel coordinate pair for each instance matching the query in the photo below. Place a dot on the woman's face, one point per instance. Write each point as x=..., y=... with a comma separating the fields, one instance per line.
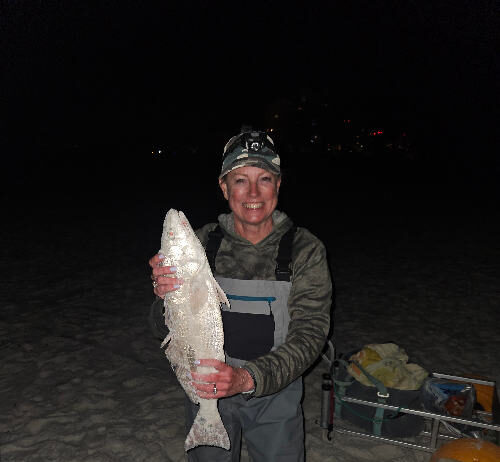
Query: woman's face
x=252, y=194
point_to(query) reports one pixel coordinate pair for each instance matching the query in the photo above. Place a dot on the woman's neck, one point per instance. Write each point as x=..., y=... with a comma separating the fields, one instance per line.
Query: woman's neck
x=253, y=233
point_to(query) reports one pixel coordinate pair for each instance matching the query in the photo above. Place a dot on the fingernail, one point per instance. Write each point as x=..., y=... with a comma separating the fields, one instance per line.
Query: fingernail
x=173, y=269
x=161, y=256
x=189, y=376
x=197, y=362
x=176, y=286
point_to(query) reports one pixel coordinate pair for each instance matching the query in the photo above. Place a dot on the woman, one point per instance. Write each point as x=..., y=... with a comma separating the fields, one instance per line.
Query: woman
x=277, y=279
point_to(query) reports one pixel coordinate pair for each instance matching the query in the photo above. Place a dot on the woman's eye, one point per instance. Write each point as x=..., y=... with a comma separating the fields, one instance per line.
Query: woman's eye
x=239, y=180
x=266, y=178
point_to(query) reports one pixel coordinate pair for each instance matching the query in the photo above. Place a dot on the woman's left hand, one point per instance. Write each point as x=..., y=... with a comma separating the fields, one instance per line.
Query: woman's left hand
x=227, y=381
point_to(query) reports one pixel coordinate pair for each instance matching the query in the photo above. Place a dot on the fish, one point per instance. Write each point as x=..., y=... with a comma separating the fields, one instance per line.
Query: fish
x=193, y=317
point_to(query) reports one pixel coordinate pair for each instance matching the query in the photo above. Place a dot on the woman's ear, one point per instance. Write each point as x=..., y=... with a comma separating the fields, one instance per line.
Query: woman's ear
x=223, y=187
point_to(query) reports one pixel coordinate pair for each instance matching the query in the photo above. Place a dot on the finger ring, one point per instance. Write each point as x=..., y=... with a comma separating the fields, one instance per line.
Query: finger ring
x=215, y=389
x=155, y=284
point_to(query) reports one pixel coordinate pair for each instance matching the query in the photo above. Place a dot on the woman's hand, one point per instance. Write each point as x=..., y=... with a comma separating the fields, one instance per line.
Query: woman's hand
x=227, y=381
x=163, y=282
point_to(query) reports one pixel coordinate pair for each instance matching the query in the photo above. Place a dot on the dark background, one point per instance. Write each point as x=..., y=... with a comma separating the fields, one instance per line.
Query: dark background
x=90, y=90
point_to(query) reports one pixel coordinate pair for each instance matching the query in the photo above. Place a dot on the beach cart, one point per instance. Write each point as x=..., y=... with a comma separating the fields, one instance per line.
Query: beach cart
x=437, y=427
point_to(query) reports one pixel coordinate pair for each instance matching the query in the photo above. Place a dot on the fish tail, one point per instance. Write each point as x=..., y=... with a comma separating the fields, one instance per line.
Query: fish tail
x=207, y=428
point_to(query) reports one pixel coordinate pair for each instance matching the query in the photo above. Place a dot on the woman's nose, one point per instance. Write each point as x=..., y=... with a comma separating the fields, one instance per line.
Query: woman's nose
x=254, y=189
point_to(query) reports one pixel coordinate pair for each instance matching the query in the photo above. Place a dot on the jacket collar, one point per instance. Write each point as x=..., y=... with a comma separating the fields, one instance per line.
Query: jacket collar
x=281, y=224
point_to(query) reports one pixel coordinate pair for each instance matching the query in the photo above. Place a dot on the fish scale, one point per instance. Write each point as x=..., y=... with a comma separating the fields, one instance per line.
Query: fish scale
x=193, y=317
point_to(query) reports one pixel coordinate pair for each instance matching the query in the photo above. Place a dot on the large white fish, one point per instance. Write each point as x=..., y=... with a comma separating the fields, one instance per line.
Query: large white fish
x=192, y=314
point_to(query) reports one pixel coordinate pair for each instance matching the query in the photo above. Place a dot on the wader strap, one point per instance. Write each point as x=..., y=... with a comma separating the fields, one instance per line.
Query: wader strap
x=214, y=239
x=284, y=258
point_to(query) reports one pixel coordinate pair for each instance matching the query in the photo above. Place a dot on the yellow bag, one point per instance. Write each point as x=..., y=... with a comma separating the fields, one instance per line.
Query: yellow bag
x=387, y=362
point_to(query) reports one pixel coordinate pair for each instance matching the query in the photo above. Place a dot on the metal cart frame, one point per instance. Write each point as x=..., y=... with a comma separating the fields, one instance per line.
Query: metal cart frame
x=492, y=419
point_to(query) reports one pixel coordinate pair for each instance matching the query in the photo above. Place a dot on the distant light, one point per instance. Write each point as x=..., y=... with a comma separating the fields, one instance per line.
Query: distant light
x=159, y=151
x=276, y=116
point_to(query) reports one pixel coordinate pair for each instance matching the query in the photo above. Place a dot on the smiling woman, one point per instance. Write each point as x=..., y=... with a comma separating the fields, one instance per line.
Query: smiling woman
x=276, y=276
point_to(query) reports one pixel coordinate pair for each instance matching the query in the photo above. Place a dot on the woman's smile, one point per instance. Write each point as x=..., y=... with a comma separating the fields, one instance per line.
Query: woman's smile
x=253, y=205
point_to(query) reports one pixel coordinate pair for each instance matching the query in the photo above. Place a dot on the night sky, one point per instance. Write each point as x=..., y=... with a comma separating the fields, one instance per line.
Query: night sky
x=107, y=80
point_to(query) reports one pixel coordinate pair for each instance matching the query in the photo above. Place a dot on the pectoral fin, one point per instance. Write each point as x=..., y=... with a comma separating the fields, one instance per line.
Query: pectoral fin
x=221, y=294
x=166, y=341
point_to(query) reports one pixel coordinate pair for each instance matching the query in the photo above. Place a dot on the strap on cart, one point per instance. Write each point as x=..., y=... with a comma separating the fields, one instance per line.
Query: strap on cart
x=382, y=395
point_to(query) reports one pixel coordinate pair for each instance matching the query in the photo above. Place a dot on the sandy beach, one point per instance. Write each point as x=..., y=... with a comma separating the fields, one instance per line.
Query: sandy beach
x=384, y=117
x=82, y=379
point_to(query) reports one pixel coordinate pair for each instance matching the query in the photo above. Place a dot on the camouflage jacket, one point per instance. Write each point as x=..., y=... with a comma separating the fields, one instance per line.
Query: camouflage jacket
x=309, y=302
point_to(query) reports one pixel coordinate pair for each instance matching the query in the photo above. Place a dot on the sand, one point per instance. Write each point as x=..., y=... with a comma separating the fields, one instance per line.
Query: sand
x=82, y=379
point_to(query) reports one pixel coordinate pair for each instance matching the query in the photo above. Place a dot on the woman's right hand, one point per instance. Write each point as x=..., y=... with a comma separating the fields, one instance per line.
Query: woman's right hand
x=163, y=281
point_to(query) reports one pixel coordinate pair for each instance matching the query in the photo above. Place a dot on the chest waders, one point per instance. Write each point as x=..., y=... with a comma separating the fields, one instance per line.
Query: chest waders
x=255, y=324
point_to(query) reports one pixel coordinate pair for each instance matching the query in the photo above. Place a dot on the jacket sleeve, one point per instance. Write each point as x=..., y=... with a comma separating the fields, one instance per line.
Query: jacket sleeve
x=156, y=319
x=309, y=305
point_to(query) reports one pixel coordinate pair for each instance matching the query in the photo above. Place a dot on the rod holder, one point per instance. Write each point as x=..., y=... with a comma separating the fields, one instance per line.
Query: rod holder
x=326, y=389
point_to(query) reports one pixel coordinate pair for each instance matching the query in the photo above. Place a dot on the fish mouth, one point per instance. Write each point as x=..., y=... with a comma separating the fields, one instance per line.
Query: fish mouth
x=253, y=205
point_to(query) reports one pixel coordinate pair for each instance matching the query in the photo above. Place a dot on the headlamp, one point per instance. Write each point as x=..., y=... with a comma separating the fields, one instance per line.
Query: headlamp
x=249, y=141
